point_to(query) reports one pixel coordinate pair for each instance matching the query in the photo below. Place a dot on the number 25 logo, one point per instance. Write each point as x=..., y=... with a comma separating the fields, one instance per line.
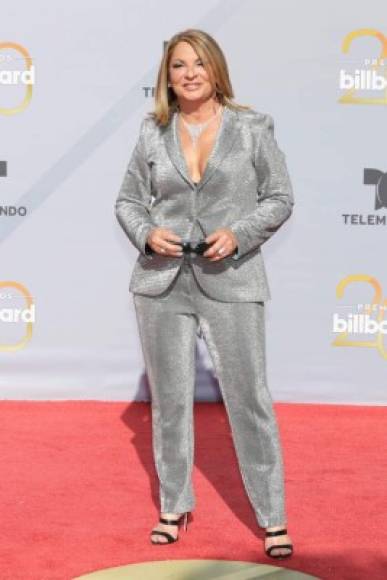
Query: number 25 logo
x=349, y=96
x=377, y=300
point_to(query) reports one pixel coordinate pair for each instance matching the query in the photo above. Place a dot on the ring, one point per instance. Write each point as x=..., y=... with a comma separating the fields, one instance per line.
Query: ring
x=220, y=251
x=163, y=250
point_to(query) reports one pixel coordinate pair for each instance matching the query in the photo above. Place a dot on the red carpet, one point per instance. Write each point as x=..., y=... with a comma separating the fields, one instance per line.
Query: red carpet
x=79, y=491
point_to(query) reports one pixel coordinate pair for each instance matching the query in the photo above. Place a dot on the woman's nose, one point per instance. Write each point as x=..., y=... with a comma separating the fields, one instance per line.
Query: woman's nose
x=191, y=73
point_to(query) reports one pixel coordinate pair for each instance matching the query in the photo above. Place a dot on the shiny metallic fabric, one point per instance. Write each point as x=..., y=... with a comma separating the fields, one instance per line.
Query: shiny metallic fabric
x=235, y=338
x=245, y=187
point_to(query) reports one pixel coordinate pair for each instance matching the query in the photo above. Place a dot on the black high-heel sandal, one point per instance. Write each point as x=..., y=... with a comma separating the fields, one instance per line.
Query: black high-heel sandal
x=170, y=522
x=277, y=546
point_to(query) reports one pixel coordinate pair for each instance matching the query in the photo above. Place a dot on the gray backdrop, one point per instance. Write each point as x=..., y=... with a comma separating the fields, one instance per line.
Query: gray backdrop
x=64, y=149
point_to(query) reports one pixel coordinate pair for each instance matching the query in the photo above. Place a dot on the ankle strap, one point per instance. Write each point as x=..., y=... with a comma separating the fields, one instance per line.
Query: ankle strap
x=277, y=533
x=169, y=521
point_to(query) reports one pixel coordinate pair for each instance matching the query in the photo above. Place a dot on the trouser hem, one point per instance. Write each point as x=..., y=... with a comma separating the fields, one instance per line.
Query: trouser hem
x=177, y=509
x=272, y=522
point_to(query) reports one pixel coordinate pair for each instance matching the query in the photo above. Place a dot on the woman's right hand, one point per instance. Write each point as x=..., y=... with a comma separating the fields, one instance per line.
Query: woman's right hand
x=158, y=241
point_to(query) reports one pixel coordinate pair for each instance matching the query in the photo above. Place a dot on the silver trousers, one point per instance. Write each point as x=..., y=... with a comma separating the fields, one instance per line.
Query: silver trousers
x=234, y=333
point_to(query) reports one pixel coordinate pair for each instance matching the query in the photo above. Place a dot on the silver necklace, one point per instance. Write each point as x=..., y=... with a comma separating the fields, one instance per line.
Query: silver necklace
x=197, y=129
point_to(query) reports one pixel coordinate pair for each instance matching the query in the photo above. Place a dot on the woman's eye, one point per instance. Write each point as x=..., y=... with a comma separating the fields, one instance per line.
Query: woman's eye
x=180, y=65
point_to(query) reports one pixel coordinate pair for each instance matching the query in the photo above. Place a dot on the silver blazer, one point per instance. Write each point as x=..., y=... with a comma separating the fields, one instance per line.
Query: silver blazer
x=245, y=187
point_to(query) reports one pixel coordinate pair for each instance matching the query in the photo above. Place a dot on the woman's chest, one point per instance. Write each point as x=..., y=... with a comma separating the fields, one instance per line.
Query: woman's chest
x=174, y=163
x=197, y=147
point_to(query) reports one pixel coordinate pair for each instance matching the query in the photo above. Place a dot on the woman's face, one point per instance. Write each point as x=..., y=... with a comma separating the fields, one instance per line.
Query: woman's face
x=187, y=75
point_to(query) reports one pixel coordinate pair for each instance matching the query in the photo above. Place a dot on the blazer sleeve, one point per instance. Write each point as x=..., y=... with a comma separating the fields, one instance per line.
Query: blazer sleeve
x=134, y=198
x=275, y=194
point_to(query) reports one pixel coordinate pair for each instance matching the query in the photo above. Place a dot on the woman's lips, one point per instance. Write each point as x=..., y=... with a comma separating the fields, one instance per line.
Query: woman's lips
x=191, y=86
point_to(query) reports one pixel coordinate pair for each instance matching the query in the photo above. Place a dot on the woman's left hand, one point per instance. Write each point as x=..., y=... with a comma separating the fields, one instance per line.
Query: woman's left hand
x=222, y=240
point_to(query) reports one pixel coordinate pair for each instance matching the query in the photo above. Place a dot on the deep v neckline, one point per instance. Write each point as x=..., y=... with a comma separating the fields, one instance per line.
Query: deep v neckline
x=213, y=150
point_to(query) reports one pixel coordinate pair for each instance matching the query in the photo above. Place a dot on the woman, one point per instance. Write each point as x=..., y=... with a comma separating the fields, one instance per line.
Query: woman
x=220, y=188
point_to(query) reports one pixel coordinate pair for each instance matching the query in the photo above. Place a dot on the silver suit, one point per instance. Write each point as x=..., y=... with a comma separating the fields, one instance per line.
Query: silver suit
x=245, y=187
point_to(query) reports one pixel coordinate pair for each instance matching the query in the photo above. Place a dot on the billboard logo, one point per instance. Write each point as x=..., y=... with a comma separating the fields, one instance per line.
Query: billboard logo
x=366, y=319
x=17, y=316
x=12, y=76
x=362, y=79
x=358, y=324
x=369, y=74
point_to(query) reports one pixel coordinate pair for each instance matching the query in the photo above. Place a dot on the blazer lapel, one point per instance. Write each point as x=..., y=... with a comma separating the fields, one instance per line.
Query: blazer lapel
x=225, y=137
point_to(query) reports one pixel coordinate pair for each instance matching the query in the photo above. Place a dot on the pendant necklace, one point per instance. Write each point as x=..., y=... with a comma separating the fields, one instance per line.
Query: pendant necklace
x=195, y=130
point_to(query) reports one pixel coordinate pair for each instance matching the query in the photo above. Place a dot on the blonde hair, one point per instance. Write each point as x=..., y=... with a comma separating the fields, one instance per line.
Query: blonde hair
x=211, y=54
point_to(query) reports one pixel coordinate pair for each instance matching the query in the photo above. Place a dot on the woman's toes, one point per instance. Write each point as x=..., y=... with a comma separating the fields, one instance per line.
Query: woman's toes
x=285, y=539
x=159, y=538
x=280, y=551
